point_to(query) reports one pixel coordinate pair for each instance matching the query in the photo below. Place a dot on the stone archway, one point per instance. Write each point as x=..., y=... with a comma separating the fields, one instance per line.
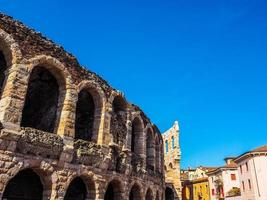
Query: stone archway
x=157, y=196
x=149, y=195
x=150, y=151
x=113, y=191
x=137, y=135
x=41, y=103
x=169, y=194
x=135, y=193
x=3, y=67
x=76, y=190
x=118, y=127
x=26, y=185
x=85, y=112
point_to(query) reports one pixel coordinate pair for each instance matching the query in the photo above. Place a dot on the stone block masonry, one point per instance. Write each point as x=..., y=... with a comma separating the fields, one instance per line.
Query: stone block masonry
x=65, y=133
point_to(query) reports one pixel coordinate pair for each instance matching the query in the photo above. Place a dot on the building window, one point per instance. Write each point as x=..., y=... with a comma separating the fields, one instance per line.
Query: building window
x=166, y=146
x=247, y=166
x=173, y=145
x=233, y=177
x=249, y=184
x=243, y=185
x=241, y=170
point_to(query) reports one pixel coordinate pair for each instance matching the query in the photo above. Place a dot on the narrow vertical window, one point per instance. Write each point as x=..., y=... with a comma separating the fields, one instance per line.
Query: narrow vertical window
x=166, y=146
x=173, y=145
x=249, y=184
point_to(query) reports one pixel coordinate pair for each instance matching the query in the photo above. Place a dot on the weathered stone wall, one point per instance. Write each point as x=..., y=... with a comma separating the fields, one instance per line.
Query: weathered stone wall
x=104, y=160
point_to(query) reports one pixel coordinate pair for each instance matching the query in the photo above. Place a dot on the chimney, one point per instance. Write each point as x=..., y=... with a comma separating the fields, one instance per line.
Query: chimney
x=229, y=160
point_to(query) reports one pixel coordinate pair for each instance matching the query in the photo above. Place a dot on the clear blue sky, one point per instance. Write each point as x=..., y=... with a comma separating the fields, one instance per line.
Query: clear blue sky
x=203, y=63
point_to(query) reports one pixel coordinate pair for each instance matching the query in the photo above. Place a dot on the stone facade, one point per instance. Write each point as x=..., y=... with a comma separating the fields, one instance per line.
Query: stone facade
x=65, y=133
x=172, y=158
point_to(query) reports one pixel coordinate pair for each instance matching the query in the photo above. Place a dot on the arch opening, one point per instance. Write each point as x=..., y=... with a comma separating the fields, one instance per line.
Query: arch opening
x=85, y=113
x=157, y=196
x=113, y=191
x=169, y=194
x=157, y=147
x=170, y=166
x=41, y=104
x=150, y=151
x=3, y=67
x=76, y=190
x=137, y=132
x=119, y=120
x=135, y=193
x=26, y=185
x=149, y=195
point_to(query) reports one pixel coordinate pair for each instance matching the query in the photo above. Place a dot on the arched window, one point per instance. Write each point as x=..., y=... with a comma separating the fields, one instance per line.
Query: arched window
x=113, y=191
x=25, y=185
x=3, y=67
x=157, y=154
x=150, y=150
x=85, y=111
x=157, y=196
x=76, y=190
x=149, y=195
x=173, y=142
x=137, y=137
x=119, y=120
x=135, y=193
x=170, y=166
x=166, y=146
x=169, y=194
x=41, y=104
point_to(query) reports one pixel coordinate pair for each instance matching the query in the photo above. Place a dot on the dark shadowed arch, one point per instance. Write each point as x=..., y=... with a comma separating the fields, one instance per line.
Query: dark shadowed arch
x=26, y=185
x=85, y=113
x=169, y=194
x=149, y=195
x=118, y=120
x=41, y=104
x=150, y=150
x=113, y=191
x=137, y=135
x=3, y=67
x=76, y=190
x=119, y=104
x=170, y=166
x=157, y=195
x=135, y=193
x=157, y=159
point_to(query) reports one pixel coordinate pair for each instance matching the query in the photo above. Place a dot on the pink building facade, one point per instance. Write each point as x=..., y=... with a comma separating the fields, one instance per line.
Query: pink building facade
x=252, y=170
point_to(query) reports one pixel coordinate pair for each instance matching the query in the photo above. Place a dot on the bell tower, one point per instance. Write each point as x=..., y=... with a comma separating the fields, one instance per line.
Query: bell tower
x=172, y=158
